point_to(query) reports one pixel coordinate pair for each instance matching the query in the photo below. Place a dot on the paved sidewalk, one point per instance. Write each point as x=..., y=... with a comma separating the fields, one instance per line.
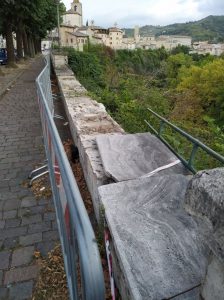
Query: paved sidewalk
x=26, y=224
x=11, y=74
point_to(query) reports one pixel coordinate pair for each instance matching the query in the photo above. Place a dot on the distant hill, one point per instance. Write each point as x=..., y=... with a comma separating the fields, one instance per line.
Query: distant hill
x=210, y=28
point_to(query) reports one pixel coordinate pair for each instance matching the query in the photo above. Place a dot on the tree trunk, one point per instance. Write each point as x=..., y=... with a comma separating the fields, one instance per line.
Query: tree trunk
x=25, y=43
x=19, y=40
x=9, y=44
x=30, y=46
x=39, y=45
x=36, y=45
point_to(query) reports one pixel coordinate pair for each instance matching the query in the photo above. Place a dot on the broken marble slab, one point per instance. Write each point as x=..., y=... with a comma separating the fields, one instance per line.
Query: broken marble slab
x=134, y=155
x=160, y=249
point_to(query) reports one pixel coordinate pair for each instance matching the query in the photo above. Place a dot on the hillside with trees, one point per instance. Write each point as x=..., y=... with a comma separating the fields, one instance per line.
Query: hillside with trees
x=210, y=29
x=186, y=89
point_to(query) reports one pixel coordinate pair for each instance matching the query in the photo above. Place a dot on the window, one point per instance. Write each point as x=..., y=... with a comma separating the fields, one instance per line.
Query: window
x=82, y=41
x=71, y=40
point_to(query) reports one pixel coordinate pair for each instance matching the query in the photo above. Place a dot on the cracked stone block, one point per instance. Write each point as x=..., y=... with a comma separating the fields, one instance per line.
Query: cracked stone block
x=2, y=224
x=205, y=198
x=29, y=202
x=205, y=195
x=12, y=223
x=50, y=235
x=213, y=287
x=31, y=219
x=21, y=274
x=21, y=291
x=22, y=256
x=11, y=214
x=3, y=293
x=39, y=227
x=30, y=239
x=4, y=259
x=1, y=277
x=45, y=247
x=11, y=243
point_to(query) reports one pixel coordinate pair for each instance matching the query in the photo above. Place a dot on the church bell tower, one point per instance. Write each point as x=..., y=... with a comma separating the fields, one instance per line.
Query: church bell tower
x=73, y=17
x=76, y=6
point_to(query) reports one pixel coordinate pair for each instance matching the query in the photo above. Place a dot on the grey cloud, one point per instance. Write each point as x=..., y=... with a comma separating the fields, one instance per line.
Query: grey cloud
x=211, y=7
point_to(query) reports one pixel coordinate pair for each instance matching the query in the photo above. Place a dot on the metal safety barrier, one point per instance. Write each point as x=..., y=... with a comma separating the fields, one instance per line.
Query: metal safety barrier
x=196, y=144
x=45, y=84
x=80, y=251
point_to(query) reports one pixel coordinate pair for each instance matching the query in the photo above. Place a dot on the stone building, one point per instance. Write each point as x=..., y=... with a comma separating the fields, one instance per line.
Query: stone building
x=72, y=37
x=73, y=17
x=206, y=48
x=171, y=41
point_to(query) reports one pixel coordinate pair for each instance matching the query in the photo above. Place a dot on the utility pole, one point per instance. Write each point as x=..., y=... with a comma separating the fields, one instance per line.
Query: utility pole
x=59, y=36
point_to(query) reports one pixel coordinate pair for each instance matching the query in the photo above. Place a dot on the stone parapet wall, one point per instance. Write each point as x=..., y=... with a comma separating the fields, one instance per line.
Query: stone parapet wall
x=87, y=119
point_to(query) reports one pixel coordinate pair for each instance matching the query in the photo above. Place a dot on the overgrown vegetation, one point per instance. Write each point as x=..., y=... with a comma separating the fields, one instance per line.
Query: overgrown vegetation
x=186, y=89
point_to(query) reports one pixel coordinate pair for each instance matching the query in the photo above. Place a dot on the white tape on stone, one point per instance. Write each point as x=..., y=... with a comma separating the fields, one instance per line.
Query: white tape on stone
x=161, y=168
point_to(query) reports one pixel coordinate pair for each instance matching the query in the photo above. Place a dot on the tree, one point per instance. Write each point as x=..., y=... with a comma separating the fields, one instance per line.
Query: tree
x=174, y=63
x=31, y=20
x=180, y=49
x=205, y=84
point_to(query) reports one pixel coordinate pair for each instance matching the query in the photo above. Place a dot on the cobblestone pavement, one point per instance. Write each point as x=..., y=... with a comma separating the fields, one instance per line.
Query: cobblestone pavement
x=26, y=224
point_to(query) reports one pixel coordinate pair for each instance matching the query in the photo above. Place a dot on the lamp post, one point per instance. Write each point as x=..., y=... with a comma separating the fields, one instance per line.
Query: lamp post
x=58, y=17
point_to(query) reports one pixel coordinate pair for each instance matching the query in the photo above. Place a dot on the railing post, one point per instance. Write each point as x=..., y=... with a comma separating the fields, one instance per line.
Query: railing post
x=192, y=156
x=196, y=143
x=161, y=127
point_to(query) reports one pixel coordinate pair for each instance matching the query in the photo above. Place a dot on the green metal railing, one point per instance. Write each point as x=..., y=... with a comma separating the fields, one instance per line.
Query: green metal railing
x=196, y=144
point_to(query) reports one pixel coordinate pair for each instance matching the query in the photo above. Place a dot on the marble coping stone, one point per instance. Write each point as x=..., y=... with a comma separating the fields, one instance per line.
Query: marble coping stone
x=134, y=155
x=63, y=71
x=161, y=250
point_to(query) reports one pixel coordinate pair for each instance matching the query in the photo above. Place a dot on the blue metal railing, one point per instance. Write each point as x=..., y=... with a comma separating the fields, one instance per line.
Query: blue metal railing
x=196, y=143
x=80, y=251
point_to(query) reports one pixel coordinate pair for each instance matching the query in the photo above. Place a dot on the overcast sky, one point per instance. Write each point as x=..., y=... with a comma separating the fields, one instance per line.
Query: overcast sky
x=128, y=13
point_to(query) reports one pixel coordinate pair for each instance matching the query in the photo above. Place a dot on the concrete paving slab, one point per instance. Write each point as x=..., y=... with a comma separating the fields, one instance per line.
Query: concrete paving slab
x=160, y=249
x=134, y=155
